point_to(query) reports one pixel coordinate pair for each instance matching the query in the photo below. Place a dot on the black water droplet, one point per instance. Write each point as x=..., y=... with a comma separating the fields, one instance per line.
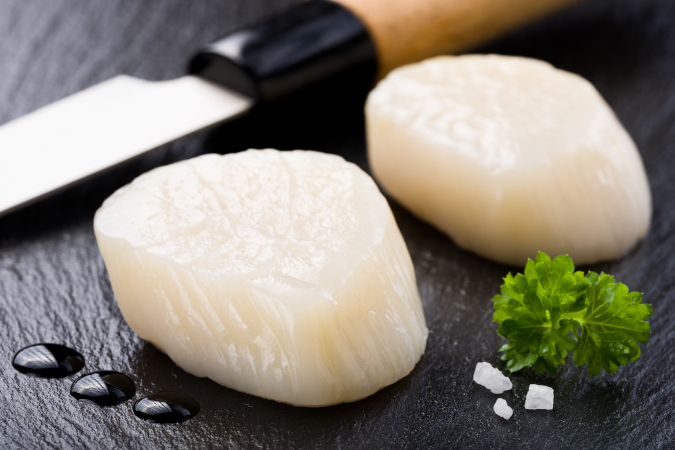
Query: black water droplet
x=48, y=361
x=166, y=407
x=104, y=388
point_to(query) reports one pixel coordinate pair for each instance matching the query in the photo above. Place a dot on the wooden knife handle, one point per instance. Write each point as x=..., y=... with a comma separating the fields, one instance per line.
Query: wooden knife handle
x=317, y=39
x=407, y=31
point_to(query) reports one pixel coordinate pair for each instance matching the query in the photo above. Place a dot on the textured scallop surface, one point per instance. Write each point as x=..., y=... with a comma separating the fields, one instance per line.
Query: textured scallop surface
x=279, y=274
x=509, y=156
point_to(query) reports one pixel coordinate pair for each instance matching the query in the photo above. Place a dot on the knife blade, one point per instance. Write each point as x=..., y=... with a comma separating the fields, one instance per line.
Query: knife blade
x=102, y=127
x=123, y=118
x=118, y=120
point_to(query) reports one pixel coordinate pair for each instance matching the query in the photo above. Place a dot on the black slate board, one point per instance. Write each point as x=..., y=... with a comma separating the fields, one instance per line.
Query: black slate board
x=54, y=288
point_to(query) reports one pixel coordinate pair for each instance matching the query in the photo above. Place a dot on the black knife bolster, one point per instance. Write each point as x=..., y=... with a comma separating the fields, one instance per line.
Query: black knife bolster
x=309, y=42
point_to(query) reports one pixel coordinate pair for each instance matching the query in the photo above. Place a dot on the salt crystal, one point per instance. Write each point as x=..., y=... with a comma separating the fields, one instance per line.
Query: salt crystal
x=491, y=378
x=539, y=397
x=502, y=409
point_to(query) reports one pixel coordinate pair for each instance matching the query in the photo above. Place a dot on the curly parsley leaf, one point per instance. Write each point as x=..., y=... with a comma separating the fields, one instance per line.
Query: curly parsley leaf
x=612, y=326
x=542, y=310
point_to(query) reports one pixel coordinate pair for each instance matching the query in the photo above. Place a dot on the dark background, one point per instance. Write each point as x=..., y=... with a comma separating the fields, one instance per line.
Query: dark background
x=54, y=287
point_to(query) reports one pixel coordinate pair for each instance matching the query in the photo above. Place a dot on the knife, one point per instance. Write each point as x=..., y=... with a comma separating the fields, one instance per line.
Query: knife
x=120, y=119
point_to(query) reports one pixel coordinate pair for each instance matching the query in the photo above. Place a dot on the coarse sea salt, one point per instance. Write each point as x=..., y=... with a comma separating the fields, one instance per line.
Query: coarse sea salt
x=539, y=397
x=502, y=409
x=491, y=378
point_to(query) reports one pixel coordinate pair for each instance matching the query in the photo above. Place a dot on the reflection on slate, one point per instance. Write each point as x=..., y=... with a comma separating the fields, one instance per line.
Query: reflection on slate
x=48, y=361
x=166, y=407
x=103, y=388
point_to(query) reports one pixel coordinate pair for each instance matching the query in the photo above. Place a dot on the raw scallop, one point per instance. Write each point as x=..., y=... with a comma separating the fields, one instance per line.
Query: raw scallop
x=509, y=156
x=279, y=274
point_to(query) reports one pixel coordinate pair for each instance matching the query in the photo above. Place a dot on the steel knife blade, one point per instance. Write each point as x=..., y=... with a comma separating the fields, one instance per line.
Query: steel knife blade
x=101, y=127
x=92, y=131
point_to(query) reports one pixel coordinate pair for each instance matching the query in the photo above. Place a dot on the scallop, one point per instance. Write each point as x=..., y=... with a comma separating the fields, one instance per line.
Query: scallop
x=509, y=156
x=279, y=274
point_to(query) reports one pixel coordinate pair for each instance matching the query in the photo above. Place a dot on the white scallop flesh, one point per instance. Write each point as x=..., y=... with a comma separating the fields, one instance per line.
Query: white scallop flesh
x=279, y=274
x=509, y=156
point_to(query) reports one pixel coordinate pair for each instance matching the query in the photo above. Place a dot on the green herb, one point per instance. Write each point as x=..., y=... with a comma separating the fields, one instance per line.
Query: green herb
x=551, y=310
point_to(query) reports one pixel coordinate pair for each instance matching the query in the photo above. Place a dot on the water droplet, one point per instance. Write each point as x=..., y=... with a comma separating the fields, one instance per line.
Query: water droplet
x=166, y=407
x=48, y=361
x=104, y=388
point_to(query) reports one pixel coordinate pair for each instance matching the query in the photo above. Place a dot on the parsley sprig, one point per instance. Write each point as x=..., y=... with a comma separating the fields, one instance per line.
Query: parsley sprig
x=551, y=310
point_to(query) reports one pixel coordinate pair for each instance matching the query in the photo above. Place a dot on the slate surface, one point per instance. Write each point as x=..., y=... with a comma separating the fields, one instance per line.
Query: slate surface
x=54, y=288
